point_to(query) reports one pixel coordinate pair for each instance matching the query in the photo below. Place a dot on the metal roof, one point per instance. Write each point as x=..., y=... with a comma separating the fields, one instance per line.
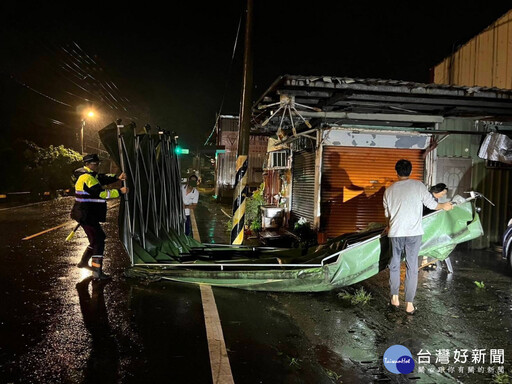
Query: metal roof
x=344, y=99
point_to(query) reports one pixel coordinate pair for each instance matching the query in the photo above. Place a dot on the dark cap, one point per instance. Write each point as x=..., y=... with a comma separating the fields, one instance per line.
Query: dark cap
x=91, y=157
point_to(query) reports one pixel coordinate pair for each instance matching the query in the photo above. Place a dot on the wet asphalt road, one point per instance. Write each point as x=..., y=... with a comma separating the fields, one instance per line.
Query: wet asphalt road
x=53, y=330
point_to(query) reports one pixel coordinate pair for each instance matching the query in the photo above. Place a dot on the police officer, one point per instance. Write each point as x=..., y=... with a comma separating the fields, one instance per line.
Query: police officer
x=90, y=209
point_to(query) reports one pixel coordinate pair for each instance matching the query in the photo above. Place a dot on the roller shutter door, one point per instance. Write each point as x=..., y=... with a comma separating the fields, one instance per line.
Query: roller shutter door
x=303, y=186
x=353, y=184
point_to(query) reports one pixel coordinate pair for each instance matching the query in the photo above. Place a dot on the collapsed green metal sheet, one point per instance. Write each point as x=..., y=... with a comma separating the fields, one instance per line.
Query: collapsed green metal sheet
x=151, y=217
x=346, y=265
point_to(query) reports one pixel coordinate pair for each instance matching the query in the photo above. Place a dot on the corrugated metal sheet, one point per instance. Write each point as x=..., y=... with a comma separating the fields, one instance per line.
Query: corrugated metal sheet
x=353, y=184
x=303, y=186
x=272, y=186
x=486, y=60
x=226, y=169
x=255, y=175
x=459, y=145
x=228, y=123
x=495, y=184
x=226, y=162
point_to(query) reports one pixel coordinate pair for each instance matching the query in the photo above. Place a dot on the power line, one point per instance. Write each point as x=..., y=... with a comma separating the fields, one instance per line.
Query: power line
x=215, y=126
x=38, y=92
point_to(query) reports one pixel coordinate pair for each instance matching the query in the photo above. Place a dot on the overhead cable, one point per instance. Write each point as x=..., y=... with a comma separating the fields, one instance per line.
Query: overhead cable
x=227, y=80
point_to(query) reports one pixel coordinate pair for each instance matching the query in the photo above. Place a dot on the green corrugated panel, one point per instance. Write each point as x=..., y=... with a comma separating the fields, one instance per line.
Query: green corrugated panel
x=478, y=183
x=495, y=184
x=457, y=145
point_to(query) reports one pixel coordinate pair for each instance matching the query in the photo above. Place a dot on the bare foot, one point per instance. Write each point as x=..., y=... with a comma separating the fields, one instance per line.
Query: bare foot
x=409, y=307
x=395, y=301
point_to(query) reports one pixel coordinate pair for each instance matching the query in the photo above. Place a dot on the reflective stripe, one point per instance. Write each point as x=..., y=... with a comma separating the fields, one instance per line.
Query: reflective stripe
x=90, y=200
x=96, y=261
x=109, y=194
x=81, y=193
x=85, y=179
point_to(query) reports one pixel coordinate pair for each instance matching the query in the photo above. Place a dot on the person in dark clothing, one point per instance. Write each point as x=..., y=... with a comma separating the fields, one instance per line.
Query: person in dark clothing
x=90, y=209
x=438, y=191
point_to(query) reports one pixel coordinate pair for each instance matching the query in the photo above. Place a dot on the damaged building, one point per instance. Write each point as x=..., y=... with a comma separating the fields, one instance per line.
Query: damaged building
x=339, y=138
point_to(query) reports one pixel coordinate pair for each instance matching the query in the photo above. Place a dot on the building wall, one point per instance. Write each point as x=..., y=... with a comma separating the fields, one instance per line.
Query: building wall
x=494, y=183
x=226, y=162
x=485, y=60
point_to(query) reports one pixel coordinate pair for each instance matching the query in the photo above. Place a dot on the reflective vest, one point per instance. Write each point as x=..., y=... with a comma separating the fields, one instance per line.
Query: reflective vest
x=90, y=197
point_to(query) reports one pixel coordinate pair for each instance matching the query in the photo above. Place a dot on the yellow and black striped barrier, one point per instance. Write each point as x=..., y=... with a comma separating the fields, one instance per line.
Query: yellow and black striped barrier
x=240, y=193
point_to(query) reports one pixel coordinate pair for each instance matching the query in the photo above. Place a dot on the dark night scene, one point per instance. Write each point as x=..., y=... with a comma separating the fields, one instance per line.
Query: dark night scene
x=256, y=191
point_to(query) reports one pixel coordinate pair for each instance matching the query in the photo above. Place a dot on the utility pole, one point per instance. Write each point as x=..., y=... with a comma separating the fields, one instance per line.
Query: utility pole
x=240, y=192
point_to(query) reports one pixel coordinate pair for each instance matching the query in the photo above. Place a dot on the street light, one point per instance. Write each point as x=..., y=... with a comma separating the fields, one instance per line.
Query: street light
x=88, y=114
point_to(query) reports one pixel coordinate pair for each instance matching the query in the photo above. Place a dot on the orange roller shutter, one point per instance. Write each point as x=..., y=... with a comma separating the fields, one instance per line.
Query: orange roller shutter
x=353, y=184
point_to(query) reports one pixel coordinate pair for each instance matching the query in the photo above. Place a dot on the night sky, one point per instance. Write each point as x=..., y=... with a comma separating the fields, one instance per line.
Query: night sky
x=172, y=62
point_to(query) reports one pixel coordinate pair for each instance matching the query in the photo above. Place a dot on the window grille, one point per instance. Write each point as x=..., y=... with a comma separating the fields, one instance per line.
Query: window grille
x=278, y=160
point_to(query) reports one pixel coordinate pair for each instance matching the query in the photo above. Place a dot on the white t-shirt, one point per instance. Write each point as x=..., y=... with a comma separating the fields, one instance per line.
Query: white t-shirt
x=189, y=198
x=403, y=205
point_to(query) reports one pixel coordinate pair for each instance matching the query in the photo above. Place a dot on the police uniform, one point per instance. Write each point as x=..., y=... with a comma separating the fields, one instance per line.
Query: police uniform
x=90, y=209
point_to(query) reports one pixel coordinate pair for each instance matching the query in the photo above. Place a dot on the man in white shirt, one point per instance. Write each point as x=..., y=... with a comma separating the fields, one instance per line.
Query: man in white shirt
x=190, y=199
x=403, y=206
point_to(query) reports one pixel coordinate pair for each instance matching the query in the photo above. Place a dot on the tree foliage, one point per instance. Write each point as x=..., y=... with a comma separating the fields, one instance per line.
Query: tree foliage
x=28, y=167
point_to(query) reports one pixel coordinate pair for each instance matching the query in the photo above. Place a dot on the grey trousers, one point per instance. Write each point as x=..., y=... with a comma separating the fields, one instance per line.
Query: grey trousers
x=411, y=245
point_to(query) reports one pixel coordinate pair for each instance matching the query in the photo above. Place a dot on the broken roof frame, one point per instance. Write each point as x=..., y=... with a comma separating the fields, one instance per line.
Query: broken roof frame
x=415, y=106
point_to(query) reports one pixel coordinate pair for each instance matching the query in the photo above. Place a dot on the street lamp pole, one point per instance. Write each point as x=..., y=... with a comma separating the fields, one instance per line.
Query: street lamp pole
x=82, y=136
x=89, y=114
